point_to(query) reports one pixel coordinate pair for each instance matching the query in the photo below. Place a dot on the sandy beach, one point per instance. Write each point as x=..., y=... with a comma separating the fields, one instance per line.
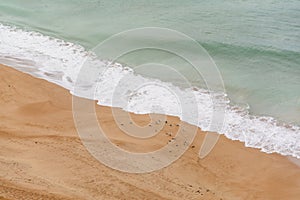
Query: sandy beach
x=42, y=156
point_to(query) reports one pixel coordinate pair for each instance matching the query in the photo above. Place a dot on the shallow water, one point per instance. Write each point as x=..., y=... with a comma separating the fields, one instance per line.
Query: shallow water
x=256, y=44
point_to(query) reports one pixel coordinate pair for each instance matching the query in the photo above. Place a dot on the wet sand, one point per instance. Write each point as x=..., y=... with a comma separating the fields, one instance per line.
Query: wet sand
x=42, y=156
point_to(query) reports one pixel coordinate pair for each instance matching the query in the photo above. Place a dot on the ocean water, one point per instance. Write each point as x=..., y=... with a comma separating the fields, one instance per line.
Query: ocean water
x=255, y=45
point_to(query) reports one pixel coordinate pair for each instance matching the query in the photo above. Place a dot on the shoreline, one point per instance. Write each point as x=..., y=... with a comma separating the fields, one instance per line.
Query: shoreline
x=42, y=154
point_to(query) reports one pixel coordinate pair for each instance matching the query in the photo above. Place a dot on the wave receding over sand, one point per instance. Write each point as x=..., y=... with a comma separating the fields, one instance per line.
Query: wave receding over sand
x=59, y=62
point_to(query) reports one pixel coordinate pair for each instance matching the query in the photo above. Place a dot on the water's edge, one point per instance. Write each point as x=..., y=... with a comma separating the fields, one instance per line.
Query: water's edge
x=59, y=62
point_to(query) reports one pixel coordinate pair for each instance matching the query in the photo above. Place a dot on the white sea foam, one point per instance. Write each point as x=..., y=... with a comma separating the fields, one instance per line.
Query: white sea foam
x=60, y=62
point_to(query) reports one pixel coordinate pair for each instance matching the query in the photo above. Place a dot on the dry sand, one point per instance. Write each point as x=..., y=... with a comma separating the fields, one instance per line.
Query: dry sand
x=42, y=157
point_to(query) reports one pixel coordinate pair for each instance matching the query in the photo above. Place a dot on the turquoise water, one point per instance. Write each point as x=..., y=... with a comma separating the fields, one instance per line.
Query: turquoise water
x=255, y=44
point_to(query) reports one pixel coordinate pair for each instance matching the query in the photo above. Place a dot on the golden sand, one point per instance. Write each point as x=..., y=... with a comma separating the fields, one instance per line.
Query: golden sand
x=42, y=157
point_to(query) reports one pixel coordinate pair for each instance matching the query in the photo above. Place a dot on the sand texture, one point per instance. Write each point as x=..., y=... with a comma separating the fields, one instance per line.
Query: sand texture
x=42, y=156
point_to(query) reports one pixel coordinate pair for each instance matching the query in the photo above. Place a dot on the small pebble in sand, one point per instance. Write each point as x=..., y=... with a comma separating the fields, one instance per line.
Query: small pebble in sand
x=130, y=122
x=193, y=146
x=166, y=122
